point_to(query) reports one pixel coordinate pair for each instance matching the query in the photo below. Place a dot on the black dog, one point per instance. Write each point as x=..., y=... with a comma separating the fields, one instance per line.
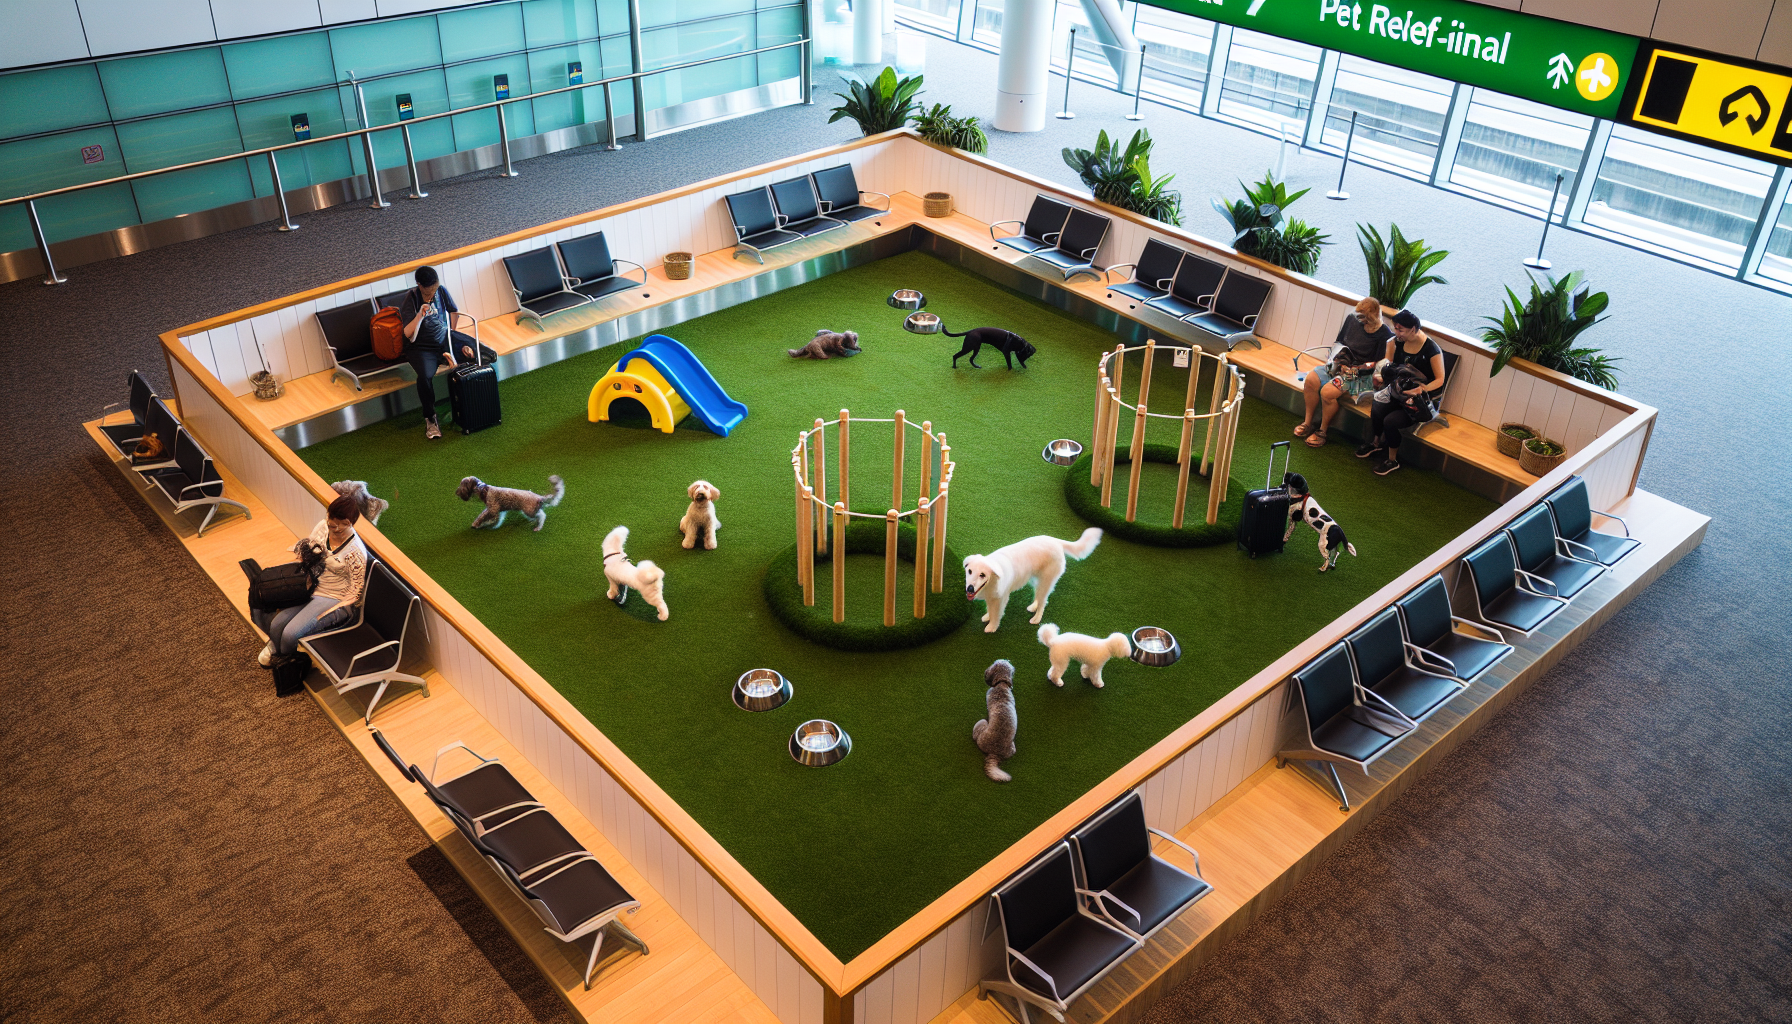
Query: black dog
x=1008, y=343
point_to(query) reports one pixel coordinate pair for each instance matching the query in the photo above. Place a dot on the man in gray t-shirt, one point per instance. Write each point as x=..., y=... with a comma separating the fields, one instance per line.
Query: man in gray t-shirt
x=428, y=313
x=1361, y=343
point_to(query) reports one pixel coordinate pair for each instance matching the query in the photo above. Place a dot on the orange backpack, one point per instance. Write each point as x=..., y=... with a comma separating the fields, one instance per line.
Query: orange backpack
x=388, y=334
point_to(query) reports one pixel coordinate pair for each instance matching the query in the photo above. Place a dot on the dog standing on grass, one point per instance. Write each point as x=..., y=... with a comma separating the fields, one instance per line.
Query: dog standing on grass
x=646, y=577
x=501, y=501
x=1093, y=652
x=993, y=577
x=995, y=735
x=699, y=524
x=1303, y=509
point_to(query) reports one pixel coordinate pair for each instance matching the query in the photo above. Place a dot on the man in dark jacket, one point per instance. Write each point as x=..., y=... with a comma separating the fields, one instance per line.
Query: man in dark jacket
x=428, y=313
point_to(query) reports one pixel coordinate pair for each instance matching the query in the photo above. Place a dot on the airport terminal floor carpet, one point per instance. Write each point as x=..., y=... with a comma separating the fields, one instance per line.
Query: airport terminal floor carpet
x=180, y=846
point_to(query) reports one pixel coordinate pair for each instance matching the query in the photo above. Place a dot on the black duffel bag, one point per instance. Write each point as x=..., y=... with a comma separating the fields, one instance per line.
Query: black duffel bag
x=281, y=586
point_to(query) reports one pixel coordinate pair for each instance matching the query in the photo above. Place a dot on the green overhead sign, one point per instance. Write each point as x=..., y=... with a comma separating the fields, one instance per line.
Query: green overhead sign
x=1563, y=65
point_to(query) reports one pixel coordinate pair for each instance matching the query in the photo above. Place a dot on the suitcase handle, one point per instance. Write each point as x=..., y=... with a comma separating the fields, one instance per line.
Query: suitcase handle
x=1269, y=478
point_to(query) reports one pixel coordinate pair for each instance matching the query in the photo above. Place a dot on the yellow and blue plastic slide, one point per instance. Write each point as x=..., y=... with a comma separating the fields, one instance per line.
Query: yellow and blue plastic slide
x=672, y=383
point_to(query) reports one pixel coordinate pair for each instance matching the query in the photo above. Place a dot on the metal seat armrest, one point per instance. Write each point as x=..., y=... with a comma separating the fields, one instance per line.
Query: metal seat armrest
x=507, y=807
x=1534, y=580
x=999, y=223
x=1387, y=708
x=1418, y=653
x=739, y=232
x=1106, y=276
x=470, y=320
x=1620, y=520
x=1031, y=966
x=206, y=483
x=1314, y=351
x=356, y=660
x=1051, y=236
x=1161, y=834
x=482, y=831
x=1206, y=301
x=886, y=195
x=568, y=282
x=1088, y=254
x=1104, y=895
x=437, y=763
x=573, y=860
x=1498, y=636
x=637, y=266
x=779, y=220
x=1250, y=321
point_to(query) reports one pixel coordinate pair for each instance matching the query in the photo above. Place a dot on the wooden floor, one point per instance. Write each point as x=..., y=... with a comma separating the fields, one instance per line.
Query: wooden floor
x=683, y=981
x=1265, y=835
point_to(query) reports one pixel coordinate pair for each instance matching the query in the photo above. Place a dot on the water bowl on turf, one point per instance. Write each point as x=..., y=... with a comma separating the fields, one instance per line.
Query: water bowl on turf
x=907, y=298
x=922, y=323
x=761, y=689
x=1062, y=452
x=1154, y=646
x=818, y=743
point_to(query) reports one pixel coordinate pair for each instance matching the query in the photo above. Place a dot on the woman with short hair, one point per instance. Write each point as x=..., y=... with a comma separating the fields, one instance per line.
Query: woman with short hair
x=339, y=585
x=1410, y=346
x=1362, y=340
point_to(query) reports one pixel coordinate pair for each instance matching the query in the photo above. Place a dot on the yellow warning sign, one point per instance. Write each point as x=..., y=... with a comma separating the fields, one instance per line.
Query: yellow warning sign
x=1737, y=106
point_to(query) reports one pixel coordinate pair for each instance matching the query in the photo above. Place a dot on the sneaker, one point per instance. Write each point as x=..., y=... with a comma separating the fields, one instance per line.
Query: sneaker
x=432, y=430
x=1386, y=466
x=266, y=655
x=1368, y=448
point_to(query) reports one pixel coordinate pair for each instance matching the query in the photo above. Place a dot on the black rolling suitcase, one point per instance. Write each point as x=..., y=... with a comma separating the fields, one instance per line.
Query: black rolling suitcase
x=1265, y=516
x=473, y=396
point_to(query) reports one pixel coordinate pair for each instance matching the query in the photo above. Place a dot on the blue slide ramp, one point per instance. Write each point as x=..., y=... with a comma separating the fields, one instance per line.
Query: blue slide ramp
x=685, y=372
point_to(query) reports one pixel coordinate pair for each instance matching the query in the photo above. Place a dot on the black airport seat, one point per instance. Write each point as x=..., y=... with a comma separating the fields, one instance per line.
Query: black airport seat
x=1045, y=221
x=539, y=285
x=530, y=841
x=1152, y=274
x=1125, y=882
x=1054, y=949
x=1573, y=512
x=577, y=899
x=348, y=334
x=756, y=226
x=1430, y=630
x=1077, y=244
x=1385, y=667
x=167, y=430
x=799, y=208
x=462, y=322
x=193, y=481
x=1504, y=596
x=1541, y=557
x=1340, y=727
x=841, y=196
x=124, y=436
x=591, y=270
x=1192, y=289
x=1236, y=306
x=370, y=651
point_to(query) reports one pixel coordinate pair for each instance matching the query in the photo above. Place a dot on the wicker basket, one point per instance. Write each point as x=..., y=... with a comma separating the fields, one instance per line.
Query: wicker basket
x=937, y=204
x=1536, y=464
x=678, y=266
x=1507, y=444
x=267, y=386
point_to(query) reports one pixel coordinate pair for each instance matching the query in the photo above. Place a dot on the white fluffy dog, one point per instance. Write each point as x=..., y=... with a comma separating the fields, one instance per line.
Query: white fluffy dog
x=1093, y=652
x=993, y=577
x=646, y=577
x=700, y=524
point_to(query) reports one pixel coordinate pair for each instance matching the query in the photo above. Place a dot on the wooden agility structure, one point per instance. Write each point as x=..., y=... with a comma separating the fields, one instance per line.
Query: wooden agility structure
x=1224, y=404
x=808, y=464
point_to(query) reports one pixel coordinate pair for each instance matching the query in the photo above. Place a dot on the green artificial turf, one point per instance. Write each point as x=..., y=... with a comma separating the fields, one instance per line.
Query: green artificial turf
x=854, y=849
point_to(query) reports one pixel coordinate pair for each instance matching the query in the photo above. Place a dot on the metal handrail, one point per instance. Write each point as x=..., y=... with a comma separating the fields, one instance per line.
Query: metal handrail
x=366, y=133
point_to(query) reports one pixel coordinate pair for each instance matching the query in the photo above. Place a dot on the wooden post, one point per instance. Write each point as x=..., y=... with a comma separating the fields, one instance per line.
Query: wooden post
x=845, y=486
x=1138, y=433
x=1213, y=406
x=941, y=506
x=896, y=462
x=890, y=568
x=1108, y=446
x=805, y=553
x=926, y=458
x=1183, y=454
x=839, y=561
x=1101, y=418
x=1194, y=376
x=1235, y=398
x=1118, y=371
x=923, y=527
x=802, y=537
x=821, y=486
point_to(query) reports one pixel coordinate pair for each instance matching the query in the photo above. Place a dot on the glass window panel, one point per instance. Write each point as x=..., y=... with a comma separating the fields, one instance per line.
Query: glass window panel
x=1269, y=80
x=1776, y=263
x=684, y=43
x=264, y=66
x=54, y=161
x=376, y=49
x=546, y=22
x=547, y=70
x=780, y=25
x=160, y=82
x=1176, y=53
x=612, y=17
x=1092, y=57
x=1400, y=114
x=179, y=139
x=43, y=101
x=74, y=215
x=986, y=25
x=940, y=15
x=1512, y=150
x=480, y=32
x=672, y=12
x=1693, y=200
x=429, y=95
x=469, y=84
x=268, y=122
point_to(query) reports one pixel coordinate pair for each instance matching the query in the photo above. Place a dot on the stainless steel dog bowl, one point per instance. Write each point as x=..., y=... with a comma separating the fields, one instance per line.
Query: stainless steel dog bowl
x=1062, y=452
x=818, y=743
x=923, y=323
x=907, y=298
x=1154, y=646
x=761, y=689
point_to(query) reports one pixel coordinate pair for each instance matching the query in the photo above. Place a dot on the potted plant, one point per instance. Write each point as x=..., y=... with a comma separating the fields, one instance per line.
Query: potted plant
x=883, y=104
x=1122, y=177
x=1540, y=455
x=940, y=126
x=1543, y=328
x=1260, y=228
x=1397, y=268
x=1511, y=437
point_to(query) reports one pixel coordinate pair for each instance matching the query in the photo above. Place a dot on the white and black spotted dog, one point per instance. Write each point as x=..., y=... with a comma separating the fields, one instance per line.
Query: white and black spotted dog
x=1303, y=509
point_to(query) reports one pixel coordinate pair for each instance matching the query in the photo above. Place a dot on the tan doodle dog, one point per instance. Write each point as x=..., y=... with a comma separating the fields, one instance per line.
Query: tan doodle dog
x=700, y=524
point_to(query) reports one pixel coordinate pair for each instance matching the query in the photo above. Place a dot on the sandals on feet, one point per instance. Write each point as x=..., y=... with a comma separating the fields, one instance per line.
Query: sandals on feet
x=1303, y=429
x=1316, y=439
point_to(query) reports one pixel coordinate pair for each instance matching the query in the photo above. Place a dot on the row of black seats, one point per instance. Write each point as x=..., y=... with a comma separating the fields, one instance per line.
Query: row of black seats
x=792, y=210
x=1060, y=234
x=1080, y=909
x=562, y=882
x=348, y=334
x=1363, y=695
x=183, y=472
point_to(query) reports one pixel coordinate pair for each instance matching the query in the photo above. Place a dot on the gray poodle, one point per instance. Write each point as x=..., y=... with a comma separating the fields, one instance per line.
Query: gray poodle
x=501, y=501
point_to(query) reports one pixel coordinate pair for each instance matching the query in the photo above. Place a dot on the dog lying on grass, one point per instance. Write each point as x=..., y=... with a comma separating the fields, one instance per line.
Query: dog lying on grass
x=995, y=735
x=1040, y=560
x=1010, y=344
x=1093, y=652
x=501, y=501
x=1303, y=509
x=699, y=524
x=646, y=577
x=828, y=343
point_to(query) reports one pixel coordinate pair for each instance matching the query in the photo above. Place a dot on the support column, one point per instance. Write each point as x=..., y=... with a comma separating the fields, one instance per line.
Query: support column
x=1588, y=174
x=1313, y=136
x=1025, y=67
x=1112, y=28
x=868, y=31
x=1445, y=163
x=636, y=65
x=1217, y=57
x=1763, y=232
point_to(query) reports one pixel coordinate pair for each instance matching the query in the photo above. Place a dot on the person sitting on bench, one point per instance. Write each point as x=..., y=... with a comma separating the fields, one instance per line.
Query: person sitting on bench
x=426, y=314
x=1362, y=341
x=338, y=589
x=1414, y=348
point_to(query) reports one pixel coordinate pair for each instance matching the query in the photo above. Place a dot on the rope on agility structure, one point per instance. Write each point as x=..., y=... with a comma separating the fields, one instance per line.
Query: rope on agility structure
x=1221, y=419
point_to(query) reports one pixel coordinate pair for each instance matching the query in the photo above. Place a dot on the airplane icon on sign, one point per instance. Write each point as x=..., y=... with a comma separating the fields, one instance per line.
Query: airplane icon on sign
x=1595, y=78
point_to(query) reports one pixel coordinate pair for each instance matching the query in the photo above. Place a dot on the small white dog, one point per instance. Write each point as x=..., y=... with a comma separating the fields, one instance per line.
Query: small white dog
x=1303, y=509
x=1093, y=652
x=700, y=523
x=993, y=577
x=646, y=577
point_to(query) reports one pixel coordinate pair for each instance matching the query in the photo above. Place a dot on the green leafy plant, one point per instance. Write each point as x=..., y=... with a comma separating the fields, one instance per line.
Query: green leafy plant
x=940, y=126
x=1543, y=329
x=1517, y=433
x=883, y=104
x=1398, y=268
x=1261, y=229
x=1544, y=447
x=1122, y=177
